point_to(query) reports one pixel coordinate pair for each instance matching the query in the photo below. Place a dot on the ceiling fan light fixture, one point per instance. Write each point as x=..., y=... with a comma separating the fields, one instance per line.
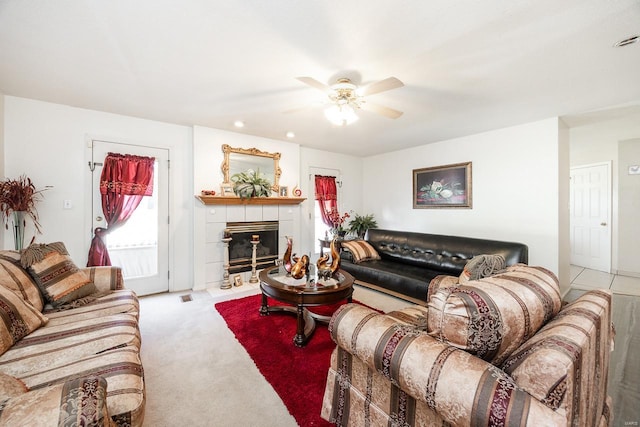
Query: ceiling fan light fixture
x=341, y=115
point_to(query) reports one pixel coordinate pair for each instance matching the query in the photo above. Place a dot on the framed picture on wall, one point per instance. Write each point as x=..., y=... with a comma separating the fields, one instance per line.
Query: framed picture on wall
x=447, y=186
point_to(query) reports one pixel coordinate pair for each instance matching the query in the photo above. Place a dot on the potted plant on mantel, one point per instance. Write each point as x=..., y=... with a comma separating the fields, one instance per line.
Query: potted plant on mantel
x=361, y=223
x=250, y=184
x=18, y=199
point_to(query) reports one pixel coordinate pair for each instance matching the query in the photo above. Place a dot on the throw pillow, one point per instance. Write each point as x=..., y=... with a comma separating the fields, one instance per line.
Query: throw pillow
x=481, y=266
x=18, y=318
x=53, y=270
x=491, y=317
x=361, y=250
x=16, y=278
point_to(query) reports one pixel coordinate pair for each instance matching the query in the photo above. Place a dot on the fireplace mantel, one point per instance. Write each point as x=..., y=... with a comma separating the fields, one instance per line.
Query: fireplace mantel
x=232, y=200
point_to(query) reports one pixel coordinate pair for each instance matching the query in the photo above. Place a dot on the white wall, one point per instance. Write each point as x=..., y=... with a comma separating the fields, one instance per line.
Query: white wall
x=629, y=208
x=515, y=189
x=598, y=142
x=564, y=174
x=48, y=142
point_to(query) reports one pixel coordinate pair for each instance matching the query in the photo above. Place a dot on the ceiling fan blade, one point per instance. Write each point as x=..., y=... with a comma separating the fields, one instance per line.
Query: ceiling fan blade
x=381, y=86
x=314, y=83
x=382, y=110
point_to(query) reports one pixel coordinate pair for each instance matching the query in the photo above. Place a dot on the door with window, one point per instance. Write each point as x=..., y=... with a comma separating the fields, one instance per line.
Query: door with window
x=141, y=246
x=590, y=216
x=321, y=231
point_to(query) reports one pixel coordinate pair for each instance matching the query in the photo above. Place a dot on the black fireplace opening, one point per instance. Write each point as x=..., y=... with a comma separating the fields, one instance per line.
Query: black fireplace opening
x=241, y=248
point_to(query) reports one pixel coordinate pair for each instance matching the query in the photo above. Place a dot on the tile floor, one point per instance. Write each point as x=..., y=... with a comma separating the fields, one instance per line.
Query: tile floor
x=583, y=278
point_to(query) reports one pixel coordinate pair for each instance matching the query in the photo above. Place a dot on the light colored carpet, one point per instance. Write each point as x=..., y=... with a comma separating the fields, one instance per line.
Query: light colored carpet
x=196, y=373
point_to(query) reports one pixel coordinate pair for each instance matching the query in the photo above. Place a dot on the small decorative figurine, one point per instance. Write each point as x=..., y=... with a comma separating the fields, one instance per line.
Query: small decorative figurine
x=299, y=269
x=286, y=260
x=326, y=271
x=335, y=255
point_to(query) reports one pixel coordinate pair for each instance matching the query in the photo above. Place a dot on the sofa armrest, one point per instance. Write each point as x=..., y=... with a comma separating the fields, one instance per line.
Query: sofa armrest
x=455, y=384
x=105, y=278
x=441, y=281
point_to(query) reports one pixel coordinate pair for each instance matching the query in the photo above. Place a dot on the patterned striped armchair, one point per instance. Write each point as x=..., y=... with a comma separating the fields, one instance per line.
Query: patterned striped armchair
x=499, y=351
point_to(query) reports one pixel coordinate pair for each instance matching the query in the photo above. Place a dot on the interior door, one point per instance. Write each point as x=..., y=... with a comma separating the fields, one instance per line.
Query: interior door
x=590, y=216
x=141, y=246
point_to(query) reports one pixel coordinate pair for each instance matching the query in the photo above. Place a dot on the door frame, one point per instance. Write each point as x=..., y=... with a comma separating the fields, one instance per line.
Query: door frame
x=88, y=206
x=609, y=174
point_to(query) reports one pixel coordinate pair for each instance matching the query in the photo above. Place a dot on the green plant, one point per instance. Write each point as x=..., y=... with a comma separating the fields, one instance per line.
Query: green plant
x=250, y=184
x=361, y=223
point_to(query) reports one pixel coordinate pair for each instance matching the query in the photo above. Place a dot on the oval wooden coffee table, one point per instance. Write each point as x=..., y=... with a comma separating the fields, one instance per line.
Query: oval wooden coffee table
x=301, y=293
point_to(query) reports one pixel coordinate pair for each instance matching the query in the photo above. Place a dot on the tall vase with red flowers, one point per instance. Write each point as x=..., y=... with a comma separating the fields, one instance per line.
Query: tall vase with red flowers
x=337, y=221
x=18, y=198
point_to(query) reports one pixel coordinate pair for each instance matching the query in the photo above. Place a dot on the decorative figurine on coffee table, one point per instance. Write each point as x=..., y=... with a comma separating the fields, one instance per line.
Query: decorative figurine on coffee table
x=326, y=271
x=286, y=259
x=301, y=266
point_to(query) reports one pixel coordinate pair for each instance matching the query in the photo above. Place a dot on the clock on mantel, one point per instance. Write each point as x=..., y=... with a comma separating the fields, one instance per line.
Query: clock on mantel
x=233, y=200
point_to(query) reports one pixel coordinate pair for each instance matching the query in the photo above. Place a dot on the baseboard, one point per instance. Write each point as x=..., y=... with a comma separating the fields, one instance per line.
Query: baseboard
x=628, y=273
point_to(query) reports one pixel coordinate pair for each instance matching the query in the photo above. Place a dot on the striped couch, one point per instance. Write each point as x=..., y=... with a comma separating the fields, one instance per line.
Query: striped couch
x=499, y=351
x=80, y=366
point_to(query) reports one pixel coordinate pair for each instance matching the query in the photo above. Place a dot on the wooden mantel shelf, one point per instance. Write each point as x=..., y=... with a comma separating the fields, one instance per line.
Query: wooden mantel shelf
x=221, y=200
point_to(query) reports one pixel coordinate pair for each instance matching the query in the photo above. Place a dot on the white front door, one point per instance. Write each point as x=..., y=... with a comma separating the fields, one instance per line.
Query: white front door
x=141, y=246
x=590, y=216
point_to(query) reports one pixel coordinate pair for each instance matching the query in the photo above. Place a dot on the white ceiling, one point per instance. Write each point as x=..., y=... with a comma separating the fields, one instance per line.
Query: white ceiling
x=468, y=65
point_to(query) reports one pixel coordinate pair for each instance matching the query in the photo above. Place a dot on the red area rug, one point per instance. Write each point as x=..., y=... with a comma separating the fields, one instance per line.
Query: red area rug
x=298, y=375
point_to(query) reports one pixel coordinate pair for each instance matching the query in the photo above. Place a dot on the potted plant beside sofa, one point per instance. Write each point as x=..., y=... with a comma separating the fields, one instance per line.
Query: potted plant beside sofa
x=361, y=223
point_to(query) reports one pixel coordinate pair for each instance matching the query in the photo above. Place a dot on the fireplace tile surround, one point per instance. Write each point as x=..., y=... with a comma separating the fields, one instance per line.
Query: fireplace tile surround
x=216, y=218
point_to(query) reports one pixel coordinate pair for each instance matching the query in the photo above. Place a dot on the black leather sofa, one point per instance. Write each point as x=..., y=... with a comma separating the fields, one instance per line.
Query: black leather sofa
x=409, y=260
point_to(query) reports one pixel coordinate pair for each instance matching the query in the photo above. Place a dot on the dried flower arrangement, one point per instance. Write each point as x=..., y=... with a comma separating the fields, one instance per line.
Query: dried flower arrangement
x=19, y=195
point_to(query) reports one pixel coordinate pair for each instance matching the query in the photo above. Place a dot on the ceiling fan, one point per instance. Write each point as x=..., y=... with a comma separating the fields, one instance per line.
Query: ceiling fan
x=345, y=98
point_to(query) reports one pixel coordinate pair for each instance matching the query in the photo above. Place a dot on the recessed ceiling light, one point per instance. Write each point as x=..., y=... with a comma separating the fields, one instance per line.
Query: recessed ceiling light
x=291, y=134
x=238, y=124
x=627, y=41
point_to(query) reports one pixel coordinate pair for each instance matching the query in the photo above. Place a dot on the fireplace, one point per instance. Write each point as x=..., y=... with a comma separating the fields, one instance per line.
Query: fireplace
x=240, y=247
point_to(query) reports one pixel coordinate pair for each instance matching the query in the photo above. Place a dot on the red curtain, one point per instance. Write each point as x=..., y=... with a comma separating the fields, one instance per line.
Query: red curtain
x=125, y=180
x=327, y=197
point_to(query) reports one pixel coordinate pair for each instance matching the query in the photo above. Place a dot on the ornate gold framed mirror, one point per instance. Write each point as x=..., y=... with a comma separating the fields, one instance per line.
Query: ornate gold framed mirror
x=241, y=159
